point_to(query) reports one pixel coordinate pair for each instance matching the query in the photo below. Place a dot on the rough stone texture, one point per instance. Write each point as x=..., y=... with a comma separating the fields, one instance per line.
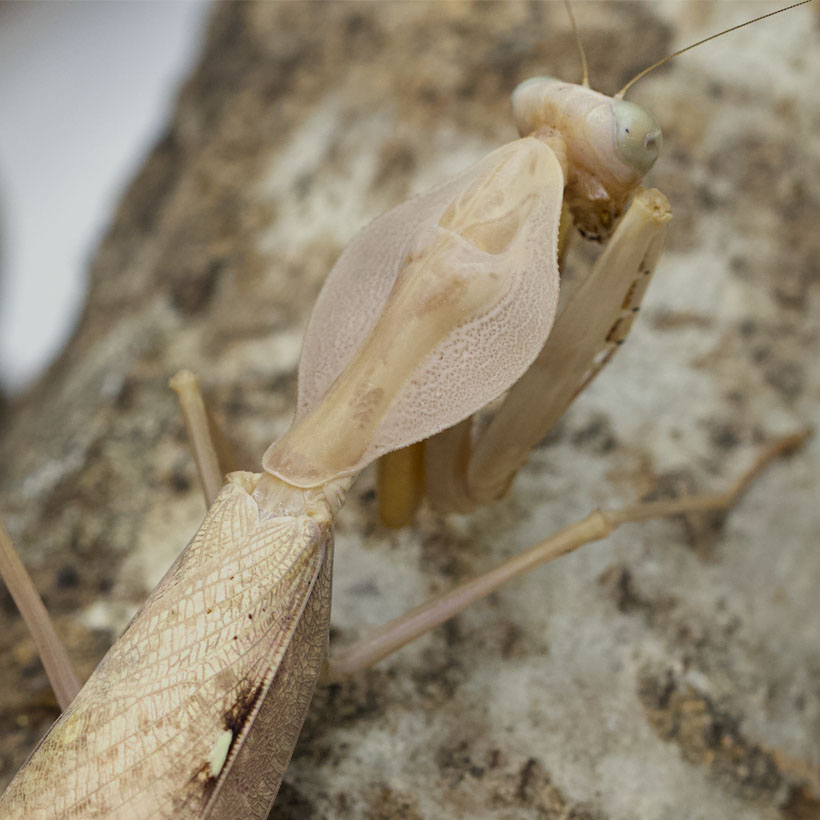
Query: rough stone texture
x=670, y=672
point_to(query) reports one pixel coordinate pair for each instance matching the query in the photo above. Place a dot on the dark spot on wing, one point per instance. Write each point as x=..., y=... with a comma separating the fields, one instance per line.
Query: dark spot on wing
x=202, y=781
x=237, y=716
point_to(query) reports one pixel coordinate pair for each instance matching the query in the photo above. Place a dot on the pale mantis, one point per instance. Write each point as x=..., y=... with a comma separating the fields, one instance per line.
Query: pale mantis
x=580, y=506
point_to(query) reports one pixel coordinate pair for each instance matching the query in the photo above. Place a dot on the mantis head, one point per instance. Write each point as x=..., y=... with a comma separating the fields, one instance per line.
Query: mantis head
x=609, y=144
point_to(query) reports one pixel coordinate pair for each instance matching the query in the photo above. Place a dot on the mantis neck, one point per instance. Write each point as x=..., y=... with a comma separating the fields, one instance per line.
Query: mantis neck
x=276, y=497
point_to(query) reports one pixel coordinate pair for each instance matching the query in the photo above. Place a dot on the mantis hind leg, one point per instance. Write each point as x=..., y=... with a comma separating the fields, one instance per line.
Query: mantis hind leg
x=598, y=524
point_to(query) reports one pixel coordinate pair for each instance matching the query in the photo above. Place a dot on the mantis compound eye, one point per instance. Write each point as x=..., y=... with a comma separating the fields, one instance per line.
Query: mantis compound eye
x=637, y=135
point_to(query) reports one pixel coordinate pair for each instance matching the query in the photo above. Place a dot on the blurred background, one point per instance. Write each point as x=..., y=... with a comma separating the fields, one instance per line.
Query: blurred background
x=85, y=92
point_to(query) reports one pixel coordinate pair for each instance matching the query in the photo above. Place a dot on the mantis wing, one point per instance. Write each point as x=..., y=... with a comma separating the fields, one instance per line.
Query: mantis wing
x=164, y=726
x=357, y=287
x=433, y=311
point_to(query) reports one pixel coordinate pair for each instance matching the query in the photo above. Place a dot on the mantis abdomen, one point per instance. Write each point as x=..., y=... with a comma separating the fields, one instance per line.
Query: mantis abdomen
x=195, y=710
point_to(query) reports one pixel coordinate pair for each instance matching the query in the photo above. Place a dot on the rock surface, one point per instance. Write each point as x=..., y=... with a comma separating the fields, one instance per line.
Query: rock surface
x=669, y=672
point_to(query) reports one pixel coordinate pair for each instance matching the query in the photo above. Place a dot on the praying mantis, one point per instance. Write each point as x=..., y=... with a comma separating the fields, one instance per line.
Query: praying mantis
x=496, y=525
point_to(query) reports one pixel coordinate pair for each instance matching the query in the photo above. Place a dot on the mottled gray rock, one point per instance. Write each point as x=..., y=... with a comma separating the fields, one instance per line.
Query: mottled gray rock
x=671, y=672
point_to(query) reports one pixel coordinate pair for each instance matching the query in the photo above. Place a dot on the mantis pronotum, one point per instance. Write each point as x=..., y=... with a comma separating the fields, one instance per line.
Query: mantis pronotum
x=479, y=751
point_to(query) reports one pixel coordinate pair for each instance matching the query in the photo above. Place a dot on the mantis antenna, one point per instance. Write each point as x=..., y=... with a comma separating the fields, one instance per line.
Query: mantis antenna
x=620, y=94
x=581, y=52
